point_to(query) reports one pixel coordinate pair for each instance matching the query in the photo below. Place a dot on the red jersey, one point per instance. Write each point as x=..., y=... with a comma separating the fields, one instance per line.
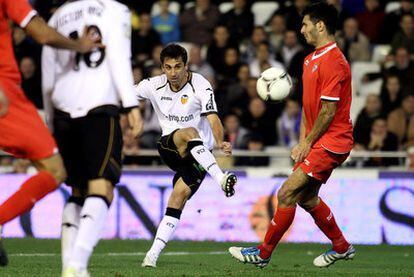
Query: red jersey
x=327, y=76
x=20, y=12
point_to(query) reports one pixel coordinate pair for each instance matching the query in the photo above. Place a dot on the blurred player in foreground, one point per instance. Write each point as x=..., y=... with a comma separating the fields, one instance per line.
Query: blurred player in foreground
x=83, y=95
x=187, y=112
x=22, y=132
x=325, y=142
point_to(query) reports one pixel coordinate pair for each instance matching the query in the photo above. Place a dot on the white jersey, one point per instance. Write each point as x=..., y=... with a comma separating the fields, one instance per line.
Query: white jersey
x=187, y=107
x=76, y=83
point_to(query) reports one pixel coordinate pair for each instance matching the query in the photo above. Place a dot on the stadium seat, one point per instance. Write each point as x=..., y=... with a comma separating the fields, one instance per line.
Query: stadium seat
x=380, y=52
x=359, y=69
x=225, y=7
x=186, y=45
x=189, y=5
x=373, y=87
x=358, y=103
x=392, y=6
x=174, y=8
x=262, y=11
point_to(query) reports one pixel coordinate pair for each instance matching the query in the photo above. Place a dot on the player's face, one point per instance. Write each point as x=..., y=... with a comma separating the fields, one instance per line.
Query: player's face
x=309, y=30
x=176, y=70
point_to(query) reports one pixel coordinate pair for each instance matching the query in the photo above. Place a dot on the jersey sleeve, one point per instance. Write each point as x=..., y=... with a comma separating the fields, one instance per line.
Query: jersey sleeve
x=118, y=48
x=143, y=89
x=333, y=75
x=48, y=81
x=206, y=95
x=20, y=11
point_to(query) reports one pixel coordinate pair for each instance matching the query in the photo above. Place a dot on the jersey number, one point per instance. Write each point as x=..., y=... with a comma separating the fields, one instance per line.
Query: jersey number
x=92, y=59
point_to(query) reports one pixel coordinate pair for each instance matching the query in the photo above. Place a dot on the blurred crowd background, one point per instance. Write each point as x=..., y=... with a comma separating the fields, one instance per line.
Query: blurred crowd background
x=231, y=43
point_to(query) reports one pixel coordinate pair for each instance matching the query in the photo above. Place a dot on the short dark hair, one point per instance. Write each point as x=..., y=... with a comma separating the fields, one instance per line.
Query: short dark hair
x=322, y=11
x=174, y=51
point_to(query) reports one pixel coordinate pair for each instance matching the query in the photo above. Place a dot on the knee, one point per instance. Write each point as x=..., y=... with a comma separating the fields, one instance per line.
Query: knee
x=58, y=172
x=101, y=187
x=191, y=133
x=285, y=197
x=309, y=204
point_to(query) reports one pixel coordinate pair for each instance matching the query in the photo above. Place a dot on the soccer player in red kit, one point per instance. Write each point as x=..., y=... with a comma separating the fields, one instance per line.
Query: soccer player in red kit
x=325, y=142
x=22, y=132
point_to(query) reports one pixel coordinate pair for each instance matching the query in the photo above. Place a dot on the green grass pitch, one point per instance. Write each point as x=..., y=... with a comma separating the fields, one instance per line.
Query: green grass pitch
x=30, y=257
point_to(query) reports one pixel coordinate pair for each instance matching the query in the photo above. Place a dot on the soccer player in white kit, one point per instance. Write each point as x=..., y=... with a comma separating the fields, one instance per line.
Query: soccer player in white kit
x=187, y=112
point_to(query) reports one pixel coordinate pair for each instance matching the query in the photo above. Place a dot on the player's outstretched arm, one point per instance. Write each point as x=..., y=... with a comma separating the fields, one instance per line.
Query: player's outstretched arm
x=44, y=34
x=135, y=121
x=324, y=119
x=4, y=103
x=218, y=133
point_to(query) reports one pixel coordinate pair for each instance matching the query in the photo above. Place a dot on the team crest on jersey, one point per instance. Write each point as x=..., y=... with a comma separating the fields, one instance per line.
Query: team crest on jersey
x=306, y=62
x=314, y=68
x=184, y=99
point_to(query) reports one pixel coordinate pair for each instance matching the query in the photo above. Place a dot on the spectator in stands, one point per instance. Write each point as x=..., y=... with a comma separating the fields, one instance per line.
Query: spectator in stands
x=153, y=61
x=380, y=139
x=24, y=46
x=291, y=47
x=353, y=43
x=366, y=117
x=277, y=31
x=234, y=133
x=144, y=39
x=391, y=94
x=405, y=38
x=259, y=35
x=31, y=83
x=257, y=121
x=166, y=24
x=392, y=20
x=342, y=14
x=217, y=48
x=288, y=124
x=236, y=93
x=138, y=73
x=20, y=166
x=197, y=64
x=255, y=142
x=264, y=60
x=404, y=68
x=293, y=14
x=401, y=122
x=371, y=20
x=198, y=22
x=228, y=73
x=239, y=21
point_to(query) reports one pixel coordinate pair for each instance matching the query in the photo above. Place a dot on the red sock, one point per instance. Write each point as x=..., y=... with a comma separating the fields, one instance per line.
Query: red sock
x=34, y=189
x=281, y=221
x=326, y=222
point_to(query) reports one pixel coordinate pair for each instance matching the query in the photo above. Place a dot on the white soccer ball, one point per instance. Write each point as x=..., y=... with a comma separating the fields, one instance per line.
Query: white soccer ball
x=274, y=84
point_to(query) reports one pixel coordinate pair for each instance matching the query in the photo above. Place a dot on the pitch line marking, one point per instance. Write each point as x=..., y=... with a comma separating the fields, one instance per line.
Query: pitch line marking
x=121, y=254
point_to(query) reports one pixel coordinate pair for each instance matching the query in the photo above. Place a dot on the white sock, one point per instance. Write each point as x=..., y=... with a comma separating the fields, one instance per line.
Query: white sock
x=92, y=220
x=70, y=227
x=165, y=231
x=204, y=157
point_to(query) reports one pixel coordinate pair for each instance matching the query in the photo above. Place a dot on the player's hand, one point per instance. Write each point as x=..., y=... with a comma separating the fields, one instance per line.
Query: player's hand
x=226, y=148
x=135, y=122
x=4, y=104
x=300, y=152
x=89, y=41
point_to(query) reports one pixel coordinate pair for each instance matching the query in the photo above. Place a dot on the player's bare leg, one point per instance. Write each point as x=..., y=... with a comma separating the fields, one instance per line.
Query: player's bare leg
x=51, y=174
x=187, y=141
x=288, y=195
x=92, y=219
x=168, y=224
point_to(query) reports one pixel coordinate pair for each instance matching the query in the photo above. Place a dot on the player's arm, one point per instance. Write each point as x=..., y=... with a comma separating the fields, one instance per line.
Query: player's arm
x=322, y=122
x=4, y=103
x=48, y=82
x=42, y=33
x=218, y=133
x=302, y=131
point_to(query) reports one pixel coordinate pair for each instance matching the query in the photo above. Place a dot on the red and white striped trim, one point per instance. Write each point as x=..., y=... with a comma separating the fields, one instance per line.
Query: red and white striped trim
x=27, y=19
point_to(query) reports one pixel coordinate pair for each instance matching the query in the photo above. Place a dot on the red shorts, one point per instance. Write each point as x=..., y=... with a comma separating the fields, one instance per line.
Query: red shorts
x=22, y=131
x=320, y=163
